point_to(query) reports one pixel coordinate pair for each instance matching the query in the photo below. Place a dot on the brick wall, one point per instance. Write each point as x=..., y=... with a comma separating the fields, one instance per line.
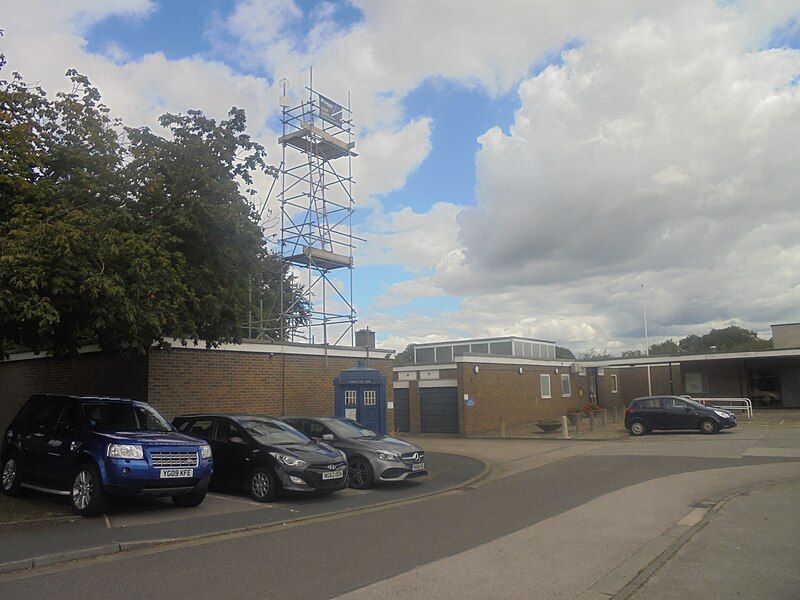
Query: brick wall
x=500, y=393
x=85, y=374
x=190, y=380
x=633, y=381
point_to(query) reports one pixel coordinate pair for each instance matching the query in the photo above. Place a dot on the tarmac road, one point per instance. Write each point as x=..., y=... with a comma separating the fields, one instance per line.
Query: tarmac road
x=553, y=519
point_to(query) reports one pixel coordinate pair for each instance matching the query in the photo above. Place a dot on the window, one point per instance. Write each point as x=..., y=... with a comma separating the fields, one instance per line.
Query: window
x=369, y=397
x=695, y=383
x=566, y=387
x=444, y=354
x=649, y=403
x=614, y=388
x=350, y=397
x=544, y=382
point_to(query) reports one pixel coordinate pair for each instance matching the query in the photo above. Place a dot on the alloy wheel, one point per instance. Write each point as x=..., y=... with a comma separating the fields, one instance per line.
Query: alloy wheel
x=82, y=490
x=9, y=474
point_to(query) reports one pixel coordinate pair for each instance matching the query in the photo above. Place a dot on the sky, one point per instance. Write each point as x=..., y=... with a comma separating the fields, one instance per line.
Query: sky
x=552, y=170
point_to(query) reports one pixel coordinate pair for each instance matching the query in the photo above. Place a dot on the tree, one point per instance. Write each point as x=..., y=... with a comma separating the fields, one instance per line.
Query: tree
x=665, y=348
x=121, y=236
x=632, y=354
x=562, y=352
x=406, y=357
x=595, y=354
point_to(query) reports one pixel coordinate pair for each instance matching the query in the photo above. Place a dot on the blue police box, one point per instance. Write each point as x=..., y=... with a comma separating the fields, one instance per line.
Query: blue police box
x=360, y=394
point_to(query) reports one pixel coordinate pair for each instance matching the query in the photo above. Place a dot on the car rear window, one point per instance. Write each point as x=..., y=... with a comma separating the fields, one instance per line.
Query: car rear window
x=648, y=403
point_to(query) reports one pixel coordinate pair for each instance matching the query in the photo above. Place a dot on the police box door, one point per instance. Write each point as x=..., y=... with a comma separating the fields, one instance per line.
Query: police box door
x=361, y=404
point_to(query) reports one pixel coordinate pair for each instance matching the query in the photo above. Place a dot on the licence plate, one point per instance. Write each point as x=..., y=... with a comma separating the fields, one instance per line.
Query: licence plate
x=332, y=474
x=417, y=466
x=176, y=473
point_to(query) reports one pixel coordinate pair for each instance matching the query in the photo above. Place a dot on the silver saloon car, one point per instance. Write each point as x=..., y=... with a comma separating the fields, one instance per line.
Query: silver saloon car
x=372, y=457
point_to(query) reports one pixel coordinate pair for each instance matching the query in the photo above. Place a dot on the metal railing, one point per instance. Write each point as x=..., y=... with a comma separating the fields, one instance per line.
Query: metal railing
x=744, y=404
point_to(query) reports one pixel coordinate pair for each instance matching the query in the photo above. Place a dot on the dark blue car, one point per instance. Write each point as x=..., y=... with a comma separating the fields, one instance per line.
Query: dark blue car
x=90, y=448
x=649, y=413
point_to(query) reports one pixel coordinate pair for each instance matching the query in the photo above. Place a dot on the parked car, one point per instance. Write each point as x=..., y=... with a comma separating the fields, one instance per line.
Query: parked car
x=90, y=448
x=674, y=412
x=372, y=457
x=266, y=456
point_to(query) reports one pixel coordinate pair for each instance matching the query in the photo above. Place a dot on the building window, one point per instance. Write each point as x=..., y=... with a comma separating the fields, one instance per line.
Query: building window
x=369, y=397
x=696, y=383
x=566, y=387
x=614, y=388
x=544, y=382
x=350, y=397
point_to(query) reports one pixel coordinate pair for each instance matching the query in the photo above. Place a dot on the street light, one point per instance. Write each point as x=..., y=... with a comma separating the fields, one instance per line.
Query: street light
x=646, y=344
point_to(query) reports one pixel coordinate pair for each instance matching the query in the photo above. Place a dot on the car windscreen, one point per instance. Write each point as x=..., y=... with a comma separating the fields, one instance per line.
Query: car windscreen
x=272, y=432
x=118, y=416
x=349, y=429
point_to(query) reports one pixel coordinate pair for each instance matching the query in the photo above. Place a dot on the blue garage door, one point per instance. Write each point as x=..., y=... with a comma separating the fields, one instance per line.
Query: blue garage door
x=438, y=410
x=402, y=419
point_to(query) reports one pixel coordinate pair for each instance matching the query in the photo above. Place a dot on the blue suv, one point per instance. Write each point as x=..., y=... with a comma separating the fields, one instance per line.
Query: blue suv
x=90, y=448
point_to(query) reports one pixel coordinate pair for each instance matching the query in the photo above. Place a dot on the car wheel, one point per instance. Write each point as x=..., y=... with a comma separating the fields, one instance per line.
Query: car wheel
x=191, y=499
x=12, y=481
x=709, y=426
x=262, y=485
x=638, y=428
x=87, y=497
x=360, y=476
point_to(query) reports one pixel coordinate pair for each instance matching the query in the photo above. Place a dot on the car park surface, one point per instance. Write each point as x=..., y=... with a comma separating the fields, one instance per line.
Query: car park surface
x=90, y=448
x=266, y=456
x=649, y=413
x=372, y=457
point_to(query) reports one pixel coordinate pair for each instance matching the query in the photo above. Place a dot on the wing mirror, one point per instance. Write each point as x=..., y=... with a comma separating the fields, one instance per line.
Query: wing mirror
x=327, y=437
x=236, y=440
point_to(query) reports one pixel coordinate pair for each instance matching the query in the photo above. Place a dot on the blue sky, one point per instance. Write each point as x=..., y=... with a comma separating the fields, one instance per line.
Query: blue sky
x=521, y=171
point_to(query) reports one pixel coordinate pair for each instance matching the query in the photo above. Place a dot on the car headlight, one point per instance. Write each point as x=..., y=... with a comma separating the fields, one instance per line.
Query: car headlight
x=722, y=414
x=127, y=451
x=205, y=451
x=288, y=460
x=391, y=456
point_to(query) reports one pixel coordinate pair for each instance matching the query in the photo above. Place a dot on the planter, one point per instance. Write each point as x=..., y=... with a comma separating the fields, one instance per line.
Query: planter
x=549, y=426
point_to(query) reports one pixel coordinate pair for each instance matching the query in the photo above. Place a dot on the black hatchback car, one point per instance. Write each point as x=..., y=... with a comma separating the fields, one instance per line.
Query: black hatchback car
x=265, y=456
x=372, y=457
x=675, y=412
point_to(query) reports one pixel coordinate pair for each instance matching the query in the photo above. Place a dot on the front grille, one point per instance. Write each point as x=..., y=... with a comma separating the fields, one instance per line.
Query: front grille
x=409, y=459
x=173, y=460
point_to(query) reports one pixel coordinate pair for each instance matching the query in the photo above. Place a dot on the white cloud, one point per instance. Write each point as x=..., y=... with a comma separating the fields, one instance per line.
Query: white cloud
x=417, y=242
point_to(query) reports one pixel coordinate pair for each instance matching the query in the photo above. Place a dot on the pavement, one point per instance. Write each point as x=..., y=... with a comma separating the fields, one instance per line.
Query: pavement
x=709, y=533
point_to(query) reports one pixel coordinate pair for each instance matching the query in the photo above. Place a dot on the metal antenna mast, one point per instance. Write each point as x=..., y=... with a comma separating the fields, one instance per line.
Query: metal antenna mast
x=317, y=205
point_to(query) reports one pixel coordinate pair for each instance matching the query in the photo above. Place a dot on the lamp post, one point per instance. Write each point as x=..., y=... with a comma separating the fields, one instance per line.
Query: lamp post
x=646, y=344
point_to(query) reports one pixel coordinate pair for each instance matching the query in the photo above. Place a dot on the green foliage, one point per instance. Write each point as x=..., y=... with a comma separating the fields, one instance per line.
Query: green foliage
x=729, y=339
x=562, y=352
x=632, y=353
x=119, y=235
x=406, y=357
x=595, y=354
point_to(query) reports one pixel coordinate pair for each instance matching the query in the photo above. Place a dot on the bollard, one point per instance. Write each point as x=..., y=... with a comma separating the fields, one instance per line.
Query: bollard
x=591, y=420
x=604, y=418
x=564, y=427
x=616, y=414
x=578, y=419
x=502, y=428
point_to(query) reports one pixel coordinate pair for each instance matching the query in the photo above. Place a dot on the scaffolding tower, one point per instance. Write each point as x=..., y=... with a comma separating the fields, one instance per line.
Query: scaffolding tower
x=317, y=206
